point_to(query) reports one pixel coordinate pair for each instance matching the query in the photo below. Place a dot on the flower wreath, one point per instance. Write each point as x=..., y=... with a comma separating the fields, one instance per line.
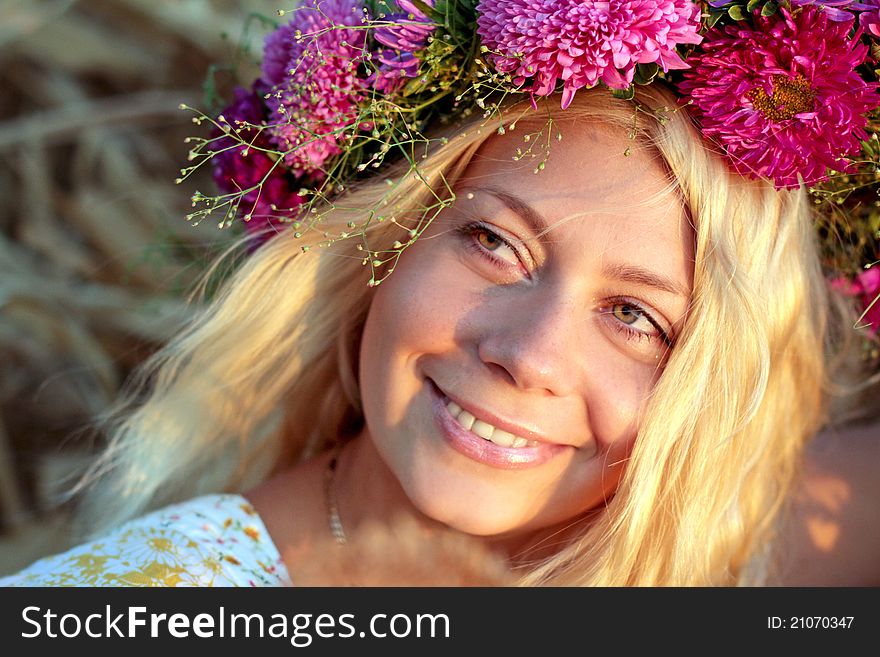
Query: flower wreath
x=787, y=90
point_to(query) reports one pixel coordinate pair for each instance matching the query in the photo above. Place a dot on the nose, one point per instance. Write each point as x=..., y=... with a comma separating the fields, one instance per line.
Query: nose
x=532, y=341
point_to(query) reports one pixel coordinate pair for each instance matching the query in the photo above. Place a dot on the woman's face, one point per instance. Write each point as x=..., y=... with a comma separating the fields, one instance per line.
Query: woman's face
x=504, y=373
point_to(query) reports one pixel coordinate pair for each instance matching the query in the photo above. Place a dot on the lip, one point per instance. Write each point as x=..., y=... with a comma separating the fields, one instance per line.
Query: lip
x=500, y=423
x=485, y=451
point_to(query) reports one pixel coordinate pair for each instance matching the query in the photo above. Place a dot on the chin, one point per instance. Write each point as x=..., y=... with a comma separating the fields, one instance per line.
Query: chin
x=463, y=515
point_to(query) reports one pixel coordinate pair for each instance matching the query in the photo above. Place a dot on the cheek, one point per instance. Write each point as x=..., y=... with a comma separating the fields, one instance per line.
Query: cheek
x=619, y=392
x=414, y=313
x=405, y=315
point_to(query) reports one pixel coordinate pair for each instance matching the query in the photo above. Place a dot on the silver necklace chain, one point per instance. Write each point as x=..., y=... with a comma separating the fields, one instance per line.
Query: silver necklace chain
x=330, y=494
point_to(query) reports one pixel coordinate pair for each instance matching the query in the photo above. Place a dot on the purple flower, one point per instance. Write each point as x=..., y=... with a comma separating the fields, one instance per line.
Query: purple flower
x=782, y=97
x=239, y=168
x=869, y=19
x=834, y=9
x=583, y=42
x=409, y=34
x=311, y=65
x=277, y=54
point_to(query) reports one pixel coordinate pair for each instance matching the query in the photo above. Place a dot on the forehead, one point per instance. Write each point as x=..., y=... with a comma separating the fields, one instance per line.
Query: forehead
x=617, y=191
x=583, y=157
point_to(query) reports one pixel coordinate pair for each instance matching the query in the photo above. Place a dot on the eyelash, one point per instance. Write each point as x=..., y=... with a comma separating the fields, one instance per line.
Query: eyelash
x=469, y=232
x=632, y=334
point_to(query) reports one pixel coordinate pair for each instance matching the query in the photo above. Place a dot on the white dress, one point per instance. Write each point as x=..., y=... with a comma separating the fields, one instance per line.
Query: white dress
x=214, y=540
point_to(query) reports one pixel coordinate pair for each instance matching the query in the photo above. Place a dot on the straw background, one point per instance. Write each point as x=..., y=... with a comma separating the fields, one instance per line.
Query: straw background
x=95, y=254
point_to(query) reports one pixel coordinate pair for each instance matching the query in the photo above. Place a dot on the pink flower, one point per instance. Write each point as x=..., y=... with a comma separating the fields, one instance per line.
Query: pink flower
x=583, y=42
x=315, y=94
x=866, y=286
x=239, y=168
x=783, y=98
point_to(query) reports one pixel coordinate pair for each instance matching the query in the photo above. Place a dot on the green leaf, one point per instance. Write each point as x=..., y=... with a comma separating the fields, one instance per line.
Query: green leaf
x=428, y=11
x=415, y=85
x=625, y=94
x=645, y=73
x=714, y=17
x=454, y=15
x=769, y=9
x=752, y=4
x=736, y=13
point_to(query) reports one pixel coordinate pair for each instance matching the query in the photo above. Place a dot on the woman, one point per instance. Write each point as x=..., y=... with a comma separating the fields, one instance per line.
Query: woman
x=625, y=338
x=637, y=330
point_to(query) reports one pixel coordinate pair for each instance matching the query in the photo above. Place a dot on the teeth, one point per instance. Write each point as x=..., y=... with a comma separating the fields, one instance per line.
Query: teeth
x=504, y=439
x=466, y=420
x=484, y=429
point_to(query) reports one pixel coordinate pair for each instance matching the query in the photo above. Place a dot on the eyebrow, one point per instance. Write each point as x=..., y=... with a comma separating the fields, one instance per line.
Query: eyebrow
x=532, y=217
x=641, y=276
x=627, y=273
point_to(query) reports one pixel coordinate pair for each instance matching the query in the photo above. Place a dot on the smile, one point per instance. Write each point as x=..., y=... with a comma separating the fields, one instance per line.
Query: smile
x=483, y=442
x=485, y=430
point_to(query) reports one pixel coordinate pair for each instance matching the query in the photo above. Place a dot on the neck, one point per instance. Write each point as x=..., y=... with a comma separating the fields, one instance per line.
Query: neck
x=367, y=494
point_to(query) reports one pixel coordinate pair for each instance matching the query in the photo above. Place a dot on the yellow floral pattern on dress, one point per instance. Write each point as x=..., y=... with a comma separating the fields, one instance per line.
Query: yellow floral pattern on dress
x=215, y=540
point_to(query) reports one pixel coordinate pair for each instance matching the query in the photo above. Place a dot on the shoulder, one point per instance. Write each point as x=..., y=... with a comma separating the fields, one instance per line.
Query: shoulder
x=831, y=535
x=214, y=540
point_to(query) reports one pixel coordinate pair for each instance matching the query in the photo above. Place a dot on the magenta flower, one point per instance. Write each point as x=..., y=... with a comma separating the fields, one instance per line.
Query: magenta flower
x=239, y=168
x=397, y=60
x=583, y=42
x=782, y=98
x=866, y=286
x=315, y=87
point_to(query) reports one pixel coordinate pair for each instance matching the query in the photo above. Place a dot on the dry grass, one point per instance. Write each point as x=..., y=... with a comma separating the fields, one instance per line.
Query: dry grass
x=94, y=252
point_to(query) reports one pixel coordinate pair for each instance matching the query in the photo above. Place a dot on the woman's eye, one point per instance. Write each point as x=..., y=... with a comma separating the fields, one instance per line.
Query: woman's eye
x=491, y=242
x=633, y=317
x=635, y=323
x=489, y=245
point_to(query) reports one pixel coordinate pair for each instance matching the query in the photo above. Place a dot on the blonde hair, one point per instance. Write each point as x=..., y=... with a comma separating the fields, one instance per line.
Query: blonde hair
x=267, y=374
